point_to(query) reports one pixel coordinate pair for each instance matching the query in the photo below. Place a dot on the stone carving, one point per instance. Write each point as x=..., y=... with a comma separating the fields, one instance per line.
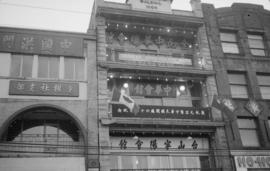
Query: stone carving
x=159, y=41
x=135, y=40
x=110, y=37
x=171, y=44
x=121, y=38
x=148, y=40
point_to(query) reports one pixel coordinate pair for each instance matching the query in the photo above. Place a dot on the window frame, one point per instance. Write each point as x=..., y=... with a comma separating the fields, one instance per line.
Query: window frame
x=256, y=129
x=21, y=63
x=229, y=42
x=263, y=85
x=239, y=85
x=48, y=74
x=74, y=68
x=257, y=48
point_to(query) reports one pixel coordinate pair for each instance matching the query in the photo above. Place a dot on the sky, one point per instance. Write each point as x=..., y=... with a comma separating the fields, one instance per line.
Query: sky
x=73, y=15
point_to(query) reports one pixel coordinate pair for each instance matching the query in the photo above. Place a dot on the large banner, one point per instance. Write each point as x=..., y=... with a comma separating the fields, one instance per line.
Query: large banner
x=145, y=111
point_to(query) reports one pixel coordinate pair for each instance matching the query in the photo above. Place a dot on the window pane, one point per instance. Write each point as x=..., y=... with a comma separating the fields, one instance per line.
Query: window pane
x=15, y=65
x=69, y=68
x=265, y=92
x=178, y=162
x=230, y=47
x=246, y=123
x=54, y=67
x=79, y=69
x=230, y=37
x=127, y=162
x=237, y=78
x=249, y=138
x=27, y=66
x=263, y=79
x=258, y=37
x=256, y=44
x=142, y=162
x=193, y=162
x=239, y=91
x=257, y=52
x=43, y=66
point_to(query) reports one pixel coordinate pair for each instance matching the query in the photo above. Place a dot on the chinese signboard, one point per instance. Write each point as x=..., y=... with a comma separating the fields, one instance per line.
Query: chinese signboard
x=152, y=59
x=41, y=88
x=41, y=44
x=245, y=163
x=146, y=111
x=152, y=5
x=158, y=143
x=150, y=89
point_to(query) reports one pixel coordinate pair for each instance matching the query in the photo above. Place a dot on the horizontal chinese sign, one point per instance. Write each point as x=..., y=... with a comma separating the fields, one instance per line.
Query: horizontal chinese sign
x=151, y=58
x=158, y=143
x=252, y=162
x=154, y=90
x=145, y=111
x=41, y=44
x=163, y=6
x=42, y=88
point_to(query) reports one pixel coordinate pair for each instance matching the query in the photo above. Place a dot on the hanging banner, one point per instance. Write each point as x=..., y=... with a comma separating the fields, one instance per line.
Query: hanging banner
x=43, y=44
x=152, y=90
x=145, y=111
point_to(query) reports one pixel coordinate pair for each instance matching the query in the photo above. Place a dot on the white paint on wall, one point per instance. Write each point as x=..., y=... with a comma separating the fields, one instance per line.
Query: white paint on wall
x=5, y=60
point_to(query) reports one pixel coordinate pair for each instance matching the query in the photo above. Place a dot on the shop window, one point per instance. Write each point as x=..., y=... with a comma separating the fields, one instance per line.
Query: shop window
x=74, y=68
x=21, y=65
x=238, y=85
x=256, y=45
x=229, y=42
x=264, y=85
x=48, y=67
x=248, y=132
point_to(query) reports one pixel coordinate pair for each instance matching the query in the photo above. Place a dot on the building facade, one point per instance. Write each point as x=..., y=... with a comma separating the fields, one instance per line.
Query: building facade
x=156, y=61
x=44, y=105
x=239, y=39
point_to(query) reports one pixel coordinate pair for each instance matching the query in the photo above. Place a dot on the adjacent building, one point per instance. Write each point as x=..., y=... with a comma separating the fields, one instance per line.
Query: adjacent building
x=44, y=100
x=157, y=62
x=239, y=41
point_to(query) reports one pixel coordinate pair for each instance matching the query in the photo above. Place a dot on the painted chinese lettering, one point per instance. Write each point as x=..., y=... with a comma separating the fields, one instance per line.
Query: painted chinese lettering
x=32, y=87
x=20, y=86
x=194, y=145
x=148, y=89
x=123, y=144
x=153, y=144
x=158, y=89
x=167, y=144
x=27, y=43
x=57, y=88
x=8, y=40
x=182, y=145
x=139, y=144
x=65, y=44
x=139, y=89
x=167, y=90
x=47, y=45
x=45, y=87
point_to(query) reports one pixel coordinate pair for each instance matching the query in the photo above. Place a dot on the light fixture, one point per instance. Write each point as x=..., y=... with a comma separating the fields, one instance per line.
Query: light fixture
x=189, y=138
x=111, y=76
x=135, y=137
x=166, y=79
x=125, y=85
x=126, y=38
x=126, y=26
x=168, y=30
x=151, y=28
x=182, y=88
x=130, y=77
